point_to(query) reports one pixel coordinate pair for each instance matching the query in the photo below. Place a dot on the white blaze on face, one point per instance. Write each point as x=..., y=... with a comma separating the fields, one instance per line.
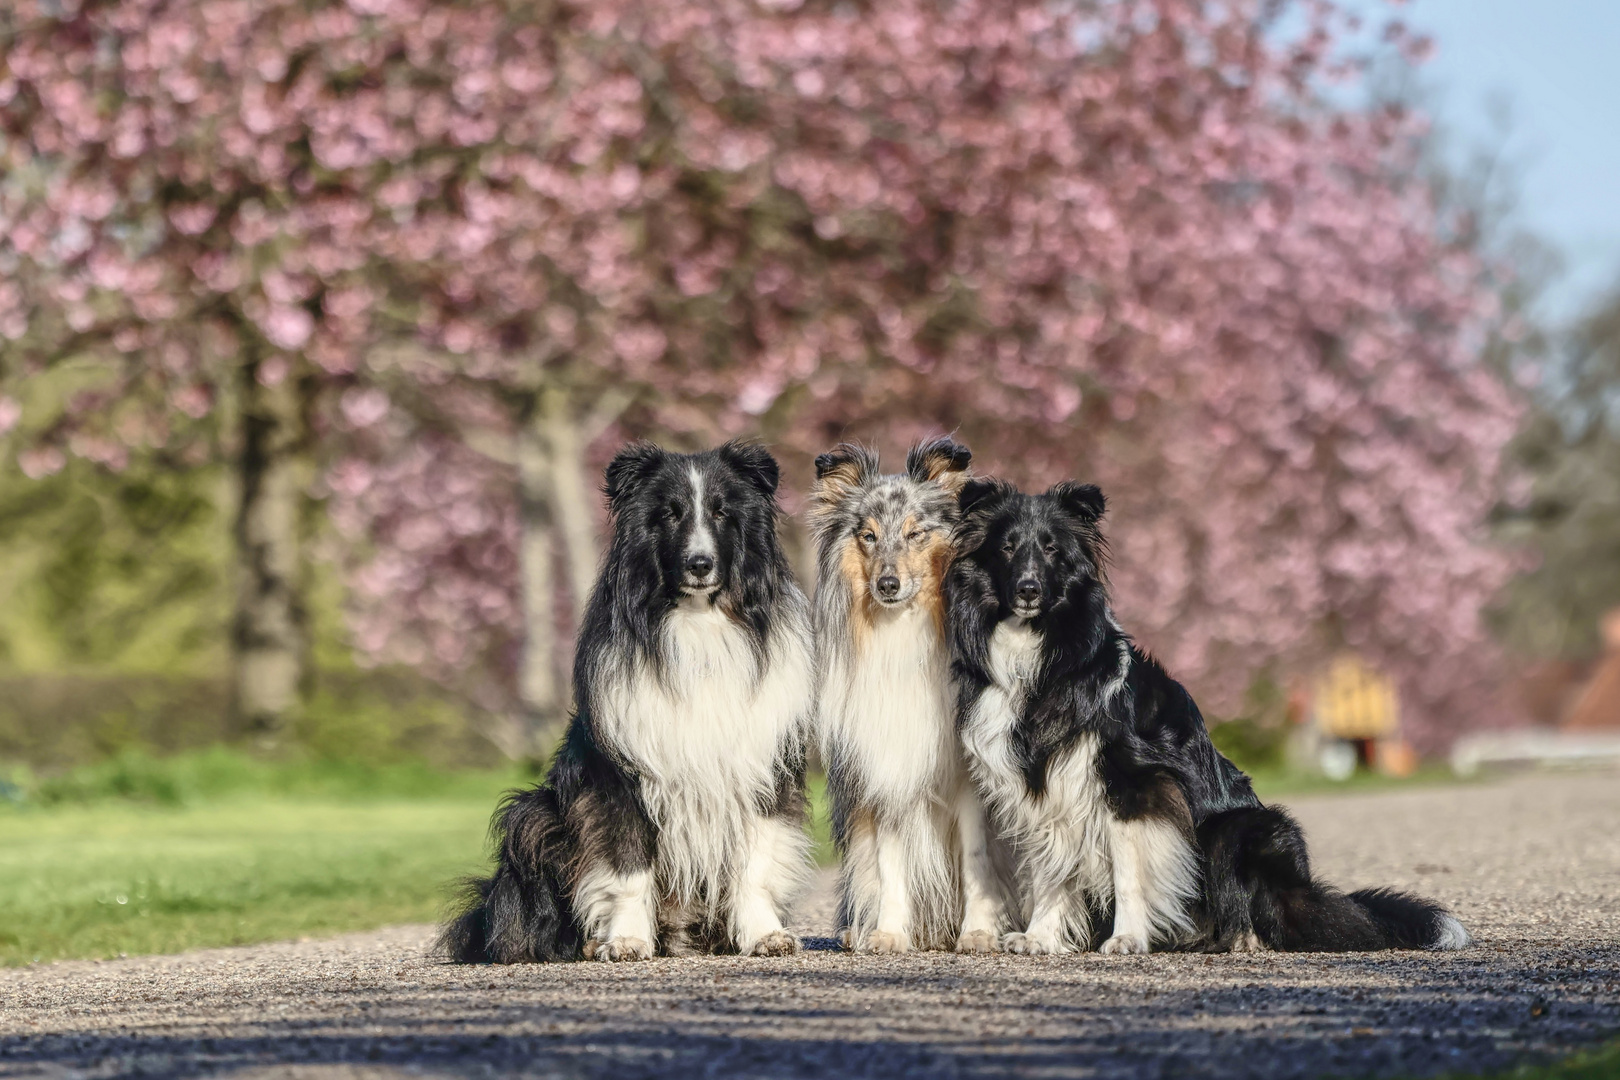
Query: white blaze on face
x=701, y=539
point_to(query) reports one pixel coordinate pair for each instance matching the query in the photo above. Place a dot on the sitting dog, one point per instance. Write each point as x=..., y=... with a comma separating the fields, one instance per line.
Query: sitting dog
x=1098, y=766
x=673, y=815
x=917, y=865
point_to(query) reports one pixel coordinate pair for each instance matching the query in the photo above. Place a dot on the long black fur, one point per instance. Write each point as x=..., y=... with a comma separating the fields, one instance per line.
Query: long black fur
x=1155, y=758
x=589, y=810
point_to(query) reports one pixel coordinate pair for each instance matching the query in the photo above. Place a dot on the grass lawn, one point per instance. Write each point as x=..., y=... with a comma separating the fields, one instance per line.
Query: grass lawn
x=115, y=877
x=1600, y=1064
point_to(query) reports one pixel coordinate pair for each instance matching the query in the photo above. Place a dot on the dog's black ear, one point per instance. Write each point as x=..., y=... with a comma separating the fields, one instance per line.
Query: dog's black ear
x=1083, y=501
x=629, y=467
x=840, y=470
x=977, y=493
x=754, y=462
x=943, y=460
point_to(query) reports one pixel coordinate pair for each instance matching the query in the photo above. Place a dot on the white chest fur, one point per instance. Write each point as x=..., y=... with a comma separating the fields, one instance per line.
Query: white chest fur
x=705, y=735
x=886, y=710
x=1063, y=835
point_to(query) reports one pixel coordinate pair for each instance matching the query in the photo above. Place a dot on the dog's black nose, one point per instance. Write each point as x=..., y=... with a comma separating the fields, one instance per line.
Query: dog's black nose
x=888, y=586
x=1029, y=590
x=699, y=565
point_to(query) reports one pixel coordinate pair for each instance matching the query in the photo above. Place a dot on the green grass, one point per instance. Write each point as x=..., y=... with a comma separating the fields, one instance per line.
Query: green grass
x=1600, y=1064
x=1272, y=784
x=96, y=882
x=140, y=855
x=821, y=821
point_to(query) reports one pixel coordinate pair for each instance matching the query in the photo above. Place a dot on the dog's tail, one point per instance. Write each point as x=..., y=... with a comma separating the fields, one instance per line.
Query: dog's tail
x=1257, y=881
x=521, y=914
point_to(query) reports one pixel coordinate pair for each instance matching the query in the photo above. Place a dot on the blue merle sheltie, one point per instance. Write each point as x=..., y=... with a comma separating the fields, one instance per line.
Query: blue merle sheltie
x=1098, y=765
x=672, y=819
x=918, y=865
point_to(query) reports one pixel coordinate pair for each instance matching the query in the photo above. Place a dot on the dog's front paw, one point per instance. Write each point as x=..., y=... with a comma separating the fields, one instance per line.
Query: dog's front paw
x=1249, y=942
x=883, y=942
x=977, y=941
x=846, y=940
x=620, y=948
x=1125, y=944
x=776, y=943
x=1031, y=945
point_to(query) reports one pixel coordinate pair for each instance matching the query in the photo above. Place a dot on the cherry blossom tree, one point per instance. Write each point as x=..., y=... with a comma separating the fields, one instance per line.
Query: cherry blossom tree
x=1127, y=240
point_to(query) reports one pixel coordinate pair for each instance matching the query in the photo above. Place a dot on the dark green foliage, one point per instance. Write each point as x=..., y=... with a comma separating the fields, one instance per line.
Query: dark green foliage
x=1257, y=739
x=220, y=774
x=123, y=570
x=1571, y=521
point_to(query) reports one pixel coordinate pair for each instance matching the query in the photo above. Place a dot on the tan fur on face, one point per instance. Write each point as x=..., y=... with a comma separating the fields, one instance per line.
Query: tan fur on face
x=853, y=567
x=924, y=562
x=933, y=558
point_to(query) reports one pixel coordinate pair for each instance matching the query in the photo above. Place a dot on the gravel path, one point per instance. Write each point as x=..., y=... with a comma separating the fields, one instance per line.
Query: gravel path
x=1532, y=865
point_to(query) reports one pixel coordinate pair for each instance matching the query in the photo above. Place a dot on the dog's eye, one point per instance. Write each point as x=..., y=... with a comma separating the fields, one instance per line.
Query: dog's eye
x=1008, y=547
x=719, y=513
x=674, y=511
x=1049, y=547
x=916, y=535
x=868, y=537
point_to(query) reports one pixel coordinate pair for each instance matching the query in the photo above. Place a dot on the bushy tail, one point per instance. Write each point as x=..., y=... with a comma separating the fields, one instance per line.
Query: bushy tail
x=521, y=914
x=1258, y=881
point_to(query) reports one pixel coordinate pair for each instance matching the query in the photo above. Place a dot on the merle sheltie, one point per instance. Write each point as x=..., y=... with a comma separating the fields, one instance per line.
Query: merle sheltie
x=672, y=819
x=918, y=870
x=1098, y=766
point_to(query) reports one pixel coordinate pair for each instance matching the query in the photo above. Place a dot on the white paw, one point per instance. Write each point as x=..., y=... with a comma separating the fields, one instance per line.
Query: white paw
x=775, y=943
x=977, y=941
x=621, y=948
x=883, y=942
x=1032, y=945
x=1125, y=944
x=1248, y=942
x=846, y=940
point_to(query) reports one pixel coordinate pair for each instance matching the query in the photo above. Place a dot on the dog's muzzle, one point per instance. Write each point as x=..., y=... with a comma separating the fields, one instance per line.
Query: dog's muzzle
x=1027, y=598
x=699, y=571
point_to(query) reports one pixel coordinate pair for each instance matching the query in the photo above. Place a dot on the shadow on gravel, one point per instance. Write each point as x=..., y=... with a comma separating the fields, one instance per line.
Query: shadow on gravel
x=927, y=1017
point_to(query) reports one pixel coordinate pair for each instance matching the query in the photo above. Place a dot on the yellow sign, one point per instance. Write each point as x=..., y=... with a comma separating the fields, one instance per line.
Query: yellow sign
x=1352, y=701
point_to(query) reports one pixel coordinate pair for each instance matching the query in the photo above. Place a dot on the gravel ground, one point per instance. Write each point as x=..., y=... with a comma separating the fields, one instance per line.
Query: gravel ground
x=1531, y=864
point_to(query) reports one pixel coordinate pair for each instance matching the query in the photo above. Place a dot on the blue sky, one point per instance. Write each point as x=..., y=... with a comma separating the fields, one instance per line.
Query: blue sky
x=1556, y=63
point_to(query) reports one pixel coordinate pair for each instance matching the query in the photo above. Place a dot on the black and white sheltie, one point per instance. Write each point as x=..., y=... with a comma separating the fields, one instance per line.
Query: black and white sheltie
x=673, y=816
x=1098, y=765
x=917, y=866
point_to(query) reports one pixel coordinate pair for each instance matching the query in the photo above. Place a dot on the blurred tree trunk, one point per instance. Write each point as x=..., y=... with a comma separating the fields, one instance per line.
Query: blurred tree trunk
x=540, y=679
x=557, y=518
x=269, y=638
x=573, y=495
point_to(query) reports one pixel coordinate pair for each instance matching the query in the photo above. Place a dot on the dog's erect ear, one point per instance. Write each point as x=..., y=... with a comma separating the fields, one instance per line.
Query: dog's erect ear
x=841, y=470
x=755, y=464
x=976, y=494
x=977, y=501
x=1084, y=501
x=629, y=467
x=943, y=460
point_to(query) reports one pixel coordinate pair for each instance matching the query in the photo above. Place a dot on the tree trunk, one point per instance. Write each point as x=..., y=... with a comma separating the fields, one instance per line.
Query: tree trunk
x=540, y=680
x=269, y=635
x=574, y=498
